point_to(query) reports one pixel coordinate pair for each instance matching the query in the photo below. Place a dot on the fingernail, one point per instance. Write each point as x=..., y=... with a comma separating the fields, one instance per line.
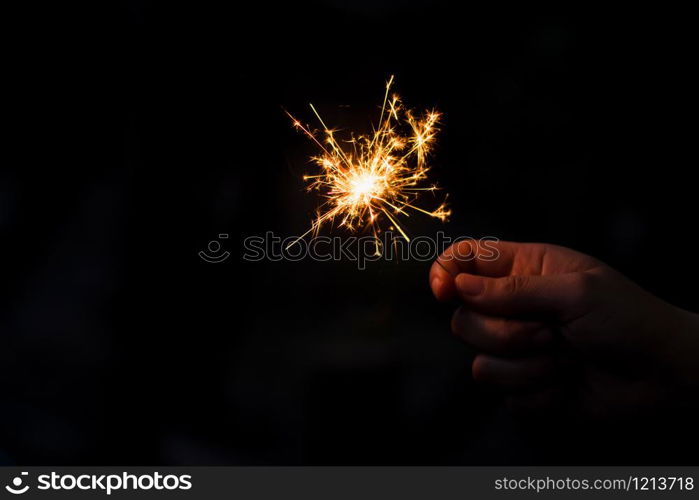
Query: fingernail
x=469, y=285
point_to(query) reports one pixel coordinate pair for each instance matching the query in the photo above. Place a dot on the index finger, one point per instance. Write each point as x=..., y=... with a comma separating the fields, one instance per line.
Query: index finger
x=482, y=257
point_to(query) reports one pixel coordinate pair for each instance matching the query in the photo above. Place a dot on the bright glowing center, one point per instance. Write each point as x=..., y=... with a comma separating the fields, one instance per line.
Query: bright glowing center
x=364, y=186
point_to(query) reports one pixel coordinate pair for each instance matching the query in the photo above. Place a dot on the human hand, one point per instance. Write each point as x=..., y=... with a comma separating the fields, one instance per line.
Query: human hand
x=548, y=322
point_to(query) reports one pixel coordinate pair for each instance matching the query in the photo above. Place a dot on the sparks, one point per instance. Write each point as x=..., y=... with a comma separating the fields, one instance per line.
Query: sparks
x=374, y=178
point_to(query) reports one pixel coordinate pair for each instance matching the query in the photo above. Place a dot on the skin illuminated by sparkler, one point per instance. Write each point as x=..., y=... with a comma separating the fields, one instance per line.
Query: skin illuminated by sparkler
x=369, y=178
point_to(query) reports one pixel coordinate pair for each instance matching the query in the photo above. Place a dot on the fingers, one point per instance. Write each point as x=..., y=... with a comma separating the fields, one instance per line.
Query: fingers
x=486, y=257
x=498, y=259
x=442, y=283
x=500, y=335
x=510, y=293
x=513, y=374
x=562, y=297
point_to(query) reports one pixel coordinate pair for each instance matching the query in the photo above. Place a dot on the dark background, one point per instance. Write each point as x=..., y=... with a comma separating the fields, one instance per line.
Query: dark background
x=140, y=143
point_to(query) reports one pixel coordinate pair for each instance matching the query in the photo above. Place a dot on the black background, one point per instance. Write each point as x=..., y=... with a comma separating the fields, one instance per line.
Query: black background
x=140, y=143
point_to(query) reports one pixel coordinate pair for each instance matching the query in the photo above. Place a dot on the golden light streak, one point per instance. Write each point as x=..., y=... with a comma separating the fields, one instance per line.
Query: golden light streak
x=378, y=175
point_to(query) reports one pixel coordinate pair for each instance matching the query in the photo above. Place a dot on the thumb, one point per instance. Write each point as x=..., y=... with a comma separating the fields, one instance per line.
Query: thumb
x=559, y=296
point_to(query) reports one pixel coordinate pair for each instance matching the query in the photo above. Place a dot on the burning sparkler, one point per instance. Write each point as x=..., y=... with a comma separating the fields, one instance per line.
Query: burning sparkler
x=368, y=178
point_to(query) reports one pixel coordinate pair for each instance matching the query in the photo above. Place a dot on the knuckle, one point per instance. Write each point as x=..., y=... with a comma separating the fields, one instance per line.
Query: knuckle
x=509, y=334
x=509, y=331
x=583, y=286
x=501, y=344
x=514, y=284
